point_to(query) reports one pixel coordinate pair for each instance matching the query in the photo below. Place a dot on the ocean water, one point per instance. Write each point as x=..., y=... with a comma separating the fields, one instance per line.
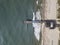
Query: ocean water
x=13, y=30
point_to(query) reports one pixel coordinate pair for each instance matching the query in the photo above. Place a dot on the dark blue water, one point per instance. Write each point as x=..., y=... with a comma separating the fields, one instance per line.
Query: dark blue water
x=12, y=29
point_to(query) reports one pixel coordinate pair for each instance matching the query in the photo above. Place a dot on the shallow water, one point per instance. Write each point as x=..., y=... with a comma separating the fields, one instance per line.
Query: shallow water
x=12, y=29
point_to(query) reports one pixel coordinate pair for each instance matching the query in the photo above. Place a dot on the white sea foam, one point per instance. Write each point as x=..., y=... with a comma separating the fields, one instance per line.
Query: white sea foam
x=37, y=26
x=37, y=2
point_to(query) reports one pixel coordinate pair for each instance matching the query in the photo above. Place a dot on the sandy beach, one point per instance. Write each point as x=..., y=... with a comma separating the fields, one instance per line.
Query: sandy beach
x=50, y=36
